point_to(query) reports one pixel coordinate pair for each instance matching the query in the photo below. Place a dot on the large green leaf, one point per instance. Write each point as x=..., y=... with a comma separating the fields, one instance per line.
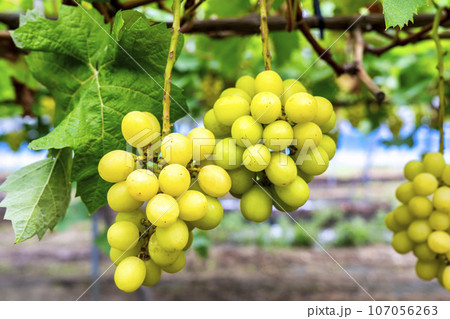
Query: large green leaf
x=38, y=195
x=400, y=12
x=285, y=43
x=96, y=78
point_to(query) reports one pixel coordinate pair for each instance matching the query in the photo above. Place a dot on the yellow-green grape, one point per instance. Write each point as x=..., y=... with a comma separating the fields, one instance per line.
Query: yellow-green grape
x=405, y=192
x=278, y=135
x=439, y=242
x=440, y=274
x=152, y=273
x=174, y=237
x=441, y=199
x=434, y=163
x=142, y=184
x=439, y=220
x=281, y=170
x=193, y=205
x=247, y=84
x=412, y=169
x=446, y=278
x=290, y=87
x=190, y=240
x=162, y=210
x=427, y=270
x=391, y=223
x=203, y=143
x=177, y=265
x=246, y=131
x=420, y=207
x=423, y=252
x=256, y=158
x=295, y=194
x=269, y=81
x=139, y=129
x=324, y=111
x=134, y=216
x=265, y=107
x=120, y=200
x=116, y=166
x=213, y=216
x=401, y=243
x=402, y=215
x=329, y=126
x=241, y=180
x=425, y=184
x=228, y=109
x=214, y=180
x=227, y=154
x=256, y=204
x=159, y=255
x=301, y=108
x=314, y=162
x=210, y=122
x=329, y=145
x=236, y=92
x=446, y=175
x=117, y=255
x=174, y=180
x=279, y=204
x=306, y=177
x=155, y=123
x=307, y=135
x=130, y=274
x=419, y=230
x=123, y=235
x=176, y=149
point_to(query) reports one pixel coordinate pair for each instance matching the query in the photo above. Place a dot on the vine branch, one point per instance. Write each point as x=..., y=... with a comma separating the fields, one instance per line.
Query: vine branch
x=265, y=34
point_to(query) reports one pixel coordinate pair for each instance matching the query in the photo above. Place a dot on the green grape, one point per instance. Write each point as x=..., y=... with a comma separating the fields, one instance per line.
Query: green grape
x=142, y=185
x=203, y=143
x=441, y=199
x=214, y=180
x=256, y=204
x=174, y=180
x=177, y=265
x=405, y=192
x=152, y=273
x=446, y=175
x=213, y=216
x=439, y=220
x=281, y=170
x=134, y=216
x=313, y=162
x=425, y=184
x=434, y=163
x=329, y=126
x=174, y=237
x=236, y=92
x=193, y=205
x=290, y=87
x=247, y=84
x=123, y=235
x=412, y=169
x=301, y=108
x=228, y=109
x=423, y=252
x=278, y=135
x=130, y=274
x=401, y=243
x=140, y=129
x=295, y=194
x=419, y=230
x=265, y=107
x=116, y=166
x=256, y=158
x=446, y=277
x=329, y=145
x=269, y=81
x=420, y=207
x=402, y=215
x=279, y=204
x=427, y=270
x=218, y=129
x=241, y=180
x=227, y=154
x=440, y=274
x=176, y=149
x=117, y=255
x=307, y=135
x=306, y=177
x=391, y=223
x=190, y=240
x=324, y=111
x=159, y=255
x=246, y=131
x=120, y=200
x=162, y=210
x=439, y=242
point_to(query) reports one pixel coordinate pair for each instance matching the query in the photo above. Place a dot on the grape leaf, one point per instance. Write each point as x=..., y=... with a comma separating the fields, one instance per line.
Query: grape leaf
x=96, y=77
x=38, y=195
x=400, y=12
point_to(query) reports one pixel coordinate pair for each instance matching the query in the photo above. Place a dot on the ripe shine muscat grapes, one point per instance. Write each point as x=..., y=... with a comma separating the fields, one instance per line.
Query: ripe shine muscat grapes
x=214, y=181
x=281, y=170
x=228, y=109
x=142, y=184
x=130, y=274
x=278, y=135
x=218, y=129
x=162, y=210
x=193, y=205
x=120, y=200
x=213, y=216
x=247, y=84
x=269, y=81
x=140, y=128
x=265, y=107
x=123, y=235
x=256, y=204
x=324, y=111
x=236, y=92
x=116, y=166
x=301, y=108
x=174, y=180
x=173, y=237
x=295, y=194
x=256, y=158
x=246, y=131
x=290, y=87
x=176, y=149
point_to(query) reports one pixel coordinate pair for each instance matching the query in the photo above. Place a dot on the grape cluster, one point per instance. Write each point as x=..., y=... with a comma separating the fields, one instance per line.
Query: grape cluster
x=421, y=224
x=273, y=142
x=180, y=189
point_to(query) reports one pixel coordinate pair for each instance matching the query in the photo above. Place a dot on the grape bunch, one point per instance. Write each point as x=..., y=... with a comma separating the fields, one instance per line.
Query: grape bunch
x=421, y=223
x=180, y=189
x=273, y=142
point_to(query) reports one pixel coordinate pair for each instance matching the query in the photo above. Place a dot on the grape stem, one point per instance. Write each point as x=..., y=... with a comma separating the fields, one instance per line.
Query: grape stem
x=171, y=58
x=265, y=34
